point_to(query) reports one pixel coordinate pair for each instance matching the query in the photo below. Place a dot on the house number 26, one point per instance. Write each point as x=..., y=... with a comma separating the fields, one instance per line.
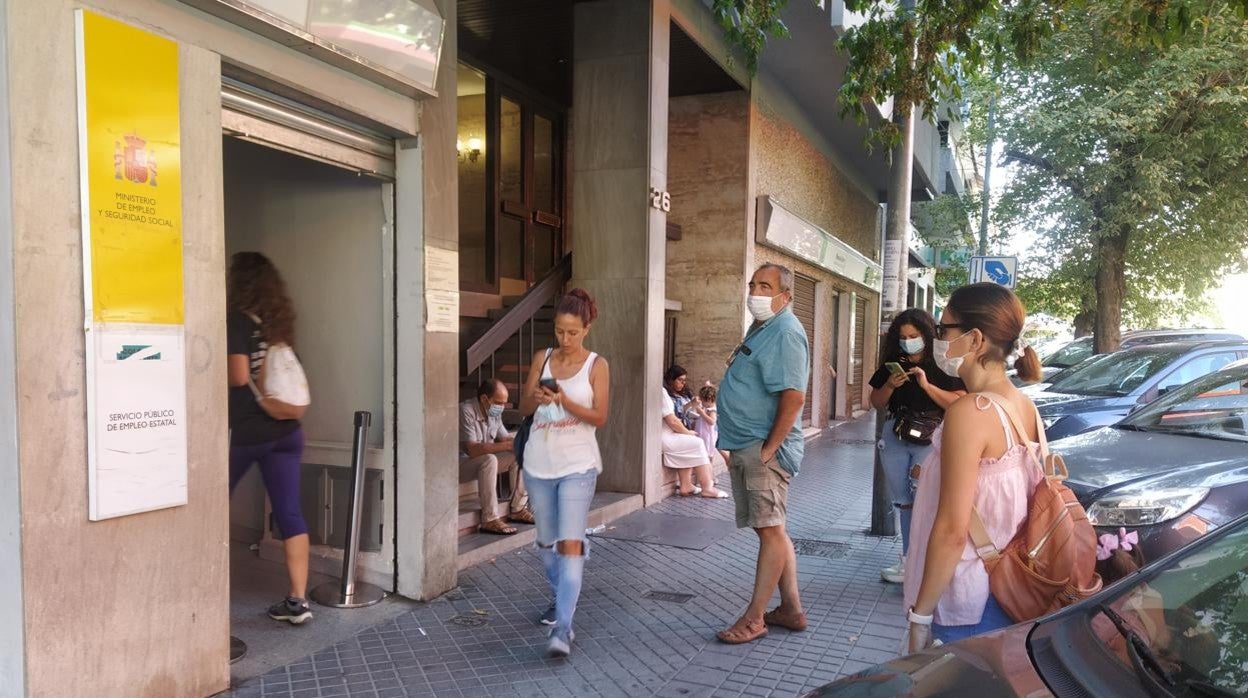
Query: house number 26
x=660, y=200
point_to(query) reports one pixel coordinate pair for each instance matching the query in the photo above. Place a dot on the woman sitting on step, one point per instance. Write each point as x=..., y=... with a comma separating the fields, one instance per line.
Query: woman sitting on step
x=683, y=450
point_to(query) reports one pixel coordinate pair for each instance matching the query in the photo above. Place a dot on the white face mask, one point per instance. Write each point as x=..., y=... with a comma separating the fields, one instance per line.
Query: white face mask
x=913, y=345
x=760, y=308
x=946, y=363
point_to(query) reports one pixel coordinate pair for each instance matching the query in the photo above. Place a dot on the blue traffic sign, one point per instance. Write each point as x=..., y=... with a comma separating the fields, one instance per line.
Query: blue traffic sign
x=997, y=270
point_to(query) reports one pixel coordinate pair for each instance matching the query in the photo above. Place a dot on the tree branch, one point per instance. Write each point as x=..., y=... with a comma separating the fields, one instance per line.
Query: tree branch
x=1046, y=165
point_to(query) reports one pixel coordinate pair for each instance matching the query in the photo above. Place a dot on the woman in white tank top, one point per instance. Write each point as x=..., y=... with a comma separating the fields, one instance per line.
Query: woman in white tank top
x=566, y=393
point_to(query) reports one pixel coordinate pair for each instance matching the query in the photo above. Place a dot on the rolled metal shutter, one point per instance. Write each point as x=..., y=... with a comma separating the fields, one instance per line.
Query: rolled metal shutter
x=853, y=398
x=804, y=309
x=253, y=114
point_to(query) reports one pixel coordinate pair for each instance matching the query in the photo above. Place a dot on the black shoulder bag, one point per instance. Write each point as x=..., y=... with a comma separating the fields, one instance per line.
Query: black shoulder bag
x=522, y=434
x=916, y=427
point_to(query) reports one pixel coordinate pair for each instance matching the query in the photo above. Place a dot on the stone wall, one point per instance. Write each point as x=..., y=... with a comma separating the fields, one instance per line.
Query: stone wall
x=788, y=166
x=708, y=171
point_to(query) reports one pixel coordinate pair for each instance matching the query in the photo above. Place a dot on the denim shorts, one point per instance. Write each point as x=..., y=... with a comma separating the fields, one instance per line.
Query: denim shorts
x=994, y=619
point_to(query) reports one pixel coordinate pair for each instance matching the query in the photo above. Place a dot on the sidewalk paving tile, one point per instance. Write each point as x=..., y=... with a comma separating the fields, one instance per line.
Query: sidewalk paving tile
x=631, y=645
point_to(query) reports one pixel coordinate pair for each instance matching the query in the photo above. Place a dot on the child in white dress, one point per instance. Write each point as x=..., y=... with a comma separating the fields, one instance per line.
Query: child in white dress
x=707, y=415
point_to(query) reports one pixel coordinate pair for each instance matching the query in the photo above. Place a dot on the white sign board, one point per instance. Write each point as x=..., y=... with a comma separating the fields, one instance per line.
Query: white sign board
x=784, y=230
x=997, y=270
x=137, y=419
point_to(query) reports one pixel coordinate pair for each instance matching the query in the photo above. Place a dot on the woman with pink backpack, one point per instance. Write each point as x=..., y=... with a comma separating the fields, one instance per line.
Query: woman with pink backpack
x=981, y=555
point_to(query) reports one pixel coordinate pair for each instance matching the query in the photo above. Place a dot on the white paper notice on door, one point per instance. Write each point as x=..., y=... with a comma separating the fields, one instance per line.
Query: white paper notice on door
x=442, y=311
x=137, y=421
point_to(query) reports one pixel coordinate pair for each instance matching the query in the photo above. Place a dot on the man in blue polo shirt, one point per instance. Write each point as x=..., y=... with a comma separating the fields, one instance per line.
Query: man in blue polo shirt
x=760, y=400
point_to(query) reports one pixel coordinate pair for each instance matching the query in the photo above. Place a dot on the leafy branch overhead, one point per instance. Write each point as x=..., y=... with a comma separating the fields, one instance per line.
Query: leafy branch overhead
x=920, y=53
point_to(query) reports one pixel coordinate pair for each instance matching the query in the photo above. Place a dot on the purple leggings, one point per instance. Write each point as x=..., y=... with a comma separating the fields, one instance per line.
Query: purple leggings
x=280, y=469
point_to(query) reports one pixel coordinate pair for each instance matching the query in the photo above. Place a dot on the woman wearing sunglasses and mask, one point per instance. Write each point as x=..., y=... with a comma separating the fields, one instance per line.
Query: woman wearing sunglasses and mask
x=979, y=464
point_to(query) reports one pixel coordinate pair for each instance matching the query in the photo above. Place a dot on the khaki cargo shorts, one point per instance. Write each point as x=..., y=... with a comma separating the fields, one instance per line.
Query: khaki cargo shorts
x=760, y=490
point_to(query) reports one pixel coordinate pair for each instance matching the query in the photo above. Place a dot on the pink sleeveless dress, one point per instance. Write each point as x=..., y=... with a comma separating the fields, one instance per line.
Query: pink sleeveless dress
x=1002, y=492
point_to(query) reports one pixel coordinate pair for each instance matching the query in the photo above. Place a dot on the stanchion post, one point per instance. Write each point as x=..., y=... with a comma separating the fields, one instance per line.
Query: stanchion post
x=883, y=521
x=347, y=593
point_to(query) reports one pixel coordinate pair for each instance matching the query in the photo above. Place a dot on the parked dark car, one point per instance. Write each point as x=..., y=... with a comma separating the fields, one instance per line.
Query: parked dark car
x=1103, y=389
x=1079, y=350
x=1171, y=471
x=1070, y=354
x=1177, y=628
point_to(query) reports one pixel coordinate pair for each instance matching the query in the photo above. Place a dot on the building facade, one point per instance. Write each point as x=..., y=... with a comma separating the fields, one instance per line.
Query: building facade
x=428, y=178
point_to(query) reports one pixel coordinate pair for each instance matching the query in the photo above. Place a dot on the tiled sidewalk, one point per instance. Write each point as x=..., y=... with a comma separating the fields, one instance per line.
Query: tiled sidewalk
x=481, y=639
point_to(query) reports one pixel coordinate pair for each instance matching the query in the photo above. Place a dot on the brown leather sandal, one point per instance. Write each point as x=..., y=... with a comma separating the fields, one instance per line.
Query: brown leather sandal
x=742, y=632
x=497, y=527
x=524, y=516
x=793, y=621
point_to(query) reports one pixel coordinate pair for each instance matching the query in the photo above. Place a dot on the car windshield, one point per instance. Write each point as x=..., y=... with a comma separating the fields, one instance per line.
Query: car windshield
x=1115, y=374
x=1215, y=406
x=1070, y=354
x=1192, y=618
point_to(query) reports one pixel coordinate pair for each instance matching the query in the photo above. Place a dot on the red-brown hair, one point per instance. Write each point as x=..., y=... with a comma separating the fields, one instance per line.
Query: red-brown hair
x=578, y=303
x=996, y=312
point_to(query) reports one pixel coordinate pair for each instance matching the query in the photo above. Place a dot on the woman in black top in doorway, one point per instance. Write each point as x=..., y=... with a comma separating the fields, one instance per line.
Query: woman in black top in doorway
x=916, y=393
x=264, y=430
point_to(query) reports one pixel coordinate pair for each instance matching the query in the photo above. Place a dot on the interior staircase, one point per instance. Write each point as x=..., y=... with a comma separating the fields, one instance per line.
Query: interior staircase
x=501, y=346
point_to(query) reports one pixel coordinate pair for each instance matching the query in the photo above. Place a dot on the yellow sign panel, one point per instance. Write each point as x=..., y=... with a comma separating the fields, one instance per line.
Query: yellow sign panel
x=131, y=153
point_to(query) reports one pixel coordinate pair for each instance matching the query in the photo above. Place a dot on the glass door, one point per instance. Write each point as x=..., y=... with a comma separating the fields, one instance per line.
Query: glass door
x=511, y=185
x=529, y=193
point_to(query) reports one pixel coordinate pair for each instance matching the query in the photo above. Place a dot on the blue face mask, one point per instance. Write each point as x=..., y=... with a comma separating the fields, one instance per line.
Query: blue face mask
x=912, y=346
x=496, y=410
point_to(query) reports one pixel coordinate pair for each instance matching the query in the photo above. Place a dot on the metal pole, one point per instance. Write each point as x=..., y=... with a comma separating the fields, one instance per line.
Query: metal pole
x=896, y=275
x=985, y=195
x=348, y=593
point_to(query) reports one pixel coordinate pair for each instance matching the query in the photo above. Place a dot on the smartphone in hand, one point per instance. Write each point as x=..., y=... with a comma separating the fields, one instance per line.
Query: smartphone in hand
x=550, y=384
x=896, y=369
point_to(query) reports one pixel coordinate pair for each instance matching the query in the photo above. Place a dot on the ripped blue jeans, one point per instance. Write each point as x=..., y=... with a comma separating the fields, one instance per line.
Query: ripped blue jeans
x=898, y=458
x=560, y=510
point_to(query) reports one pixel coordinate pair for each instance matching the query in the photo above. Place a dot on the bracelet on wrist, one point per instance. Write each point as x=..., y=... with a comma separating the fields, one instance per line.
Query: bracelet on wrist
x=916, y=618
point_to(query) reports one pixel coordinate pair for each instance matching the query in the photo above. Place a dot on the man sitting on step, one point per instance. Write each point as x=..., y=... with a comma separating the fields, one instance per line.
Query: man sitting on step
x=485, y=449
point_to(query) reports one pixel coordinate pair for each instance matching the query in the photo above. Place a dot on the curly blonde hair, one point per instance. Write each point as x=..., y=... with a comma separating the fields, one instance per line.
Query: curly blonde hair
x=255, y=287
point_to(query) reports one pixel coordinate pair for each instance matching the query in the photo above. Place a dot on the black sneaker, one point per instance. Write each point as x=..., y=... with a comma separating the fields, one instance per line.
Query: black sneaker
x=293, y=611
x=548, y=618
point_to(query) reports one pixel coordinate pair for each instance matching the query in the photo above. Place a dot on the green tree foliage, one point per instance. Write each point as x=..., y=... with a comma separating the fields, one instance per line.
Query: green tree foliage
x=1132, y=168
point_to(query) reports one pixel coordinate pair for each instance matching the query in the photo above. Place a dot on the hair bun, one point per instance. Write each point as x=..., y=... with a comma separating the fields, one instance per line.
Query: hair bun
x=590, y=304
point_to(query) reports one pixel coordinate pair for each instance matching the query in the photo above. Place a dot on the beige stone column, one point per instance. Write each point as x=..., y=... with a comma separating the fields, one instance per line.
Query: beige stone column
x=620, y=78
x=136, y=605
x=427, y=380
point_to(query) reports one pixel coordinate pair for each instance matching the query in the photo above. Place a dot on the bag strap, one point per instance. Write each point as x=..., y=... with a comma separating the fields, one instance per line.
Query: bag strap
x=984, y=547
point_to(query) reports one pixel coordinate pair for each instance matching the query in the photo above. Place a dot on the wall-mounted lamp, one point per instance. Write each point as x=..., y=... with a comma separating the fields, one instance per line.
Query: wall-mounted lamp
x=470, y=152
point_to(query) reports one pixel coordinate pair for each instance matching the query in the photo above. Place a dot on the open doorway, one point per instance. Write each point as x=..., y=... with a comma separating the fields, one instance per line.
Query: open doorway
x=326, y=229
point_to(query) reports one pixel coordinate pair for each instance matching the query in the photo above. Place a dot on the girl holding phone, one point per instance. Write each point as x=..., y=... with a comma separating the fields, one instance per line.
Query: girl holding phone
x=915, y=392
x=566, y=393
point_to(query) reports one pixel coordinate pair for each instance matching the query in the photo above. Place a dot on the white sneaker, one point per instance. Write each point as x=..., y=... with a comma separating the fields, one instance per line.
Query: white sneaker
x=895, y=574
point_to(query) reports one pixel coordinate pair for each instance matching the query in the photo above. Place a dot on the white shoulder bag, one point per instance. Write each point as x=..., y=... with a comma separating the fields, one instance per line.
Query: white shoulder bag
x=281, y=375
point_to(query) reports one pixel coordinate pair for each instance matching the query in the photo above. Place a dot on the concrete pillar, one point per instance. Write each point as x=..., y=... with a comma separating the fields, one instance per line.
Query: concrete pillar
x=427, y=393
x=12, y=640
x=156, y=584
x=620, y=77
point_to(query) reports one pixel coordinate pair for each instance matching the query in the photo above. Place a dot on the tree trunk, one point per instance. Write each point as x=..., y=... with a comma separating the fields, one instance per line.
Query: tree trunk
x=1111, y=287
x=1087, y=316
x=1083, y=323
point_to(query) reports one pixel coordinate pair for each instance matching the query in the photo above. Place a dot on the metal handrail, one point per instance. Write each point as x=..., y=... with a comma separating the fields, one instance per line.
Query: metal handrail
x=513, y=321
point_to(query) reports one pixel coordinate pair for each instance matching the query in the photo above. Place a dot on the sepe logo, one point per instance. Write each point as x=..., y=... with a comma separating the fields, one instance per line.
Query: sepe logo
x=134, y=162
